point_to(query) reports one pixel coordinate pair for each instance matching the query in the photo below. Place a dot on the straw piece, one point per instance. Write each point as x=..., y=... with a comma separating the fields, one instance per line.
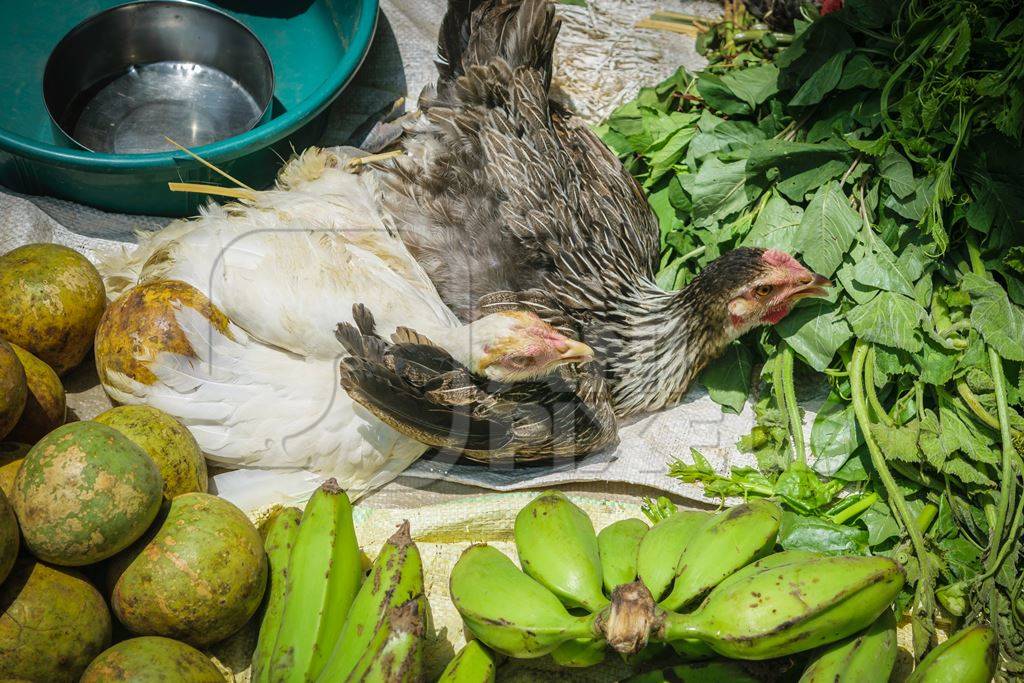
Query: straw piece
x=369, y=159
x=668, y=15
x=672, y=27
x=214, y=190
x=208, y=165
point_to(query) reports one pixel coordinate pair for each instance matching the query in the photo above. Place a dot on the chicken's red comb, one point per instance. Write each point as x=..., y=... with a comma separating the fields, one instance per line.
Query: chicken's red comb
x=777, y=257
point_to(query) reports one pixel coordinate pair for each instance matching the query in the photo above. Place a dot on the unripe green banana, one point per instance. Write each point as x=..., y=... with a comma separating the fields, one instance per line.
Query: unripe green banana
x=473, y=664
x=697, y=672
x=580, y=653
x=324, y=572
x=395, y=579
x=509, y=611
x=867, y=656
x=618, y=544
x=768, y=562
x=558, y=547
x=970, y=656
x=395, y=651
x=791, y=608
x=731, y=540
x=659, y=551
x=282, y=530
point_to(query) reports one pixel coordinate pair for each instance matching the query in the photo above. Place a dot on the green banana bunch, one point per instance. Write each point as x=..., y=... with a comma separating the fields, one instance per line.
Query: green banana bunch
x=395, y=651
x=324, y=571
x=557, y=546
x=699, y=672
x=282, y=530
x=395, y=579
x=867, y=656
x=509, y=611
x=727, y=542
x=618, y=544
x=579, y=653
x=473, y=664
x=780, y=610
x=970, y=656
x=658, y=555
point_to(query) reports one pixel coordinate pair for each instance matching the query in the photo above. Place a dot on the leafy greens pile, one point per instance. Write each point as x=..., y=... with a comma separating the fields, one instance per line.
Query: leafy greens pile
x=883, y=145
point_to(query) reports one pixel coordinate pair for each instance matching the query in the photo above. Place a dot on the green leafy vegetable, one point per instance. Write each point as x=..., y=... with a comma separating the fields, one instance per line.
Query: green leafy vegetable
x=882, y=144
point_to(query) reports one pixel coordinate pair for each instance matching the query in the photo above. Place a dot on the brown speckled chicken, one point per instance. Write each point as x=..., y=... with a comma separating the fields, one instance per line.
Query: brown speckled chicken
x=508, y=202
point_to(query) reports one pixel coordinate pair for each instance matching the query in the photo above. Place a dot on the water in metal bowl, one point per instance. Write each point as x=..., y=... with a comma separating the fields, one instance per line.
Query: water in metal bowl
x=130, y=78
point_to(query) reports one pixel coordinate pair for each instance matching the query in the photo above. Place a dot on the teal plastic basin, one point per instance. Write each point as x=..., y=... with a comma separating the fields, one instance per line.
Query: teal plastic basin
x=316, y=46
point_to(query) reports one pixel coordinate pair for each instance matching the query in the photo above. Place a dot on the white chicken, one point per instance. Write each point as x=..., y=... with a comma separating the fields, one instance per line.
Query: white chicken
x=261, y=389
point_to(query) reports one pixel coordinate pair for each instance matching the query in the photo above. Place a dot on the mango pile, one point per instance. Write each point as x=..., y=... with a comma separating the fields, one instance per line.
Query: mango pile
x=704, y=592
x=102, y=540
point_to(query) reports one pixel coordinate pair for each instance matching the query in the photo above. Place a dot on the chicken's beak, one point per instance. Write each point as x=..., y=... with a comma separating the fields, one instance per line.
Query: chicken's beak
x=817, y=286
x=576, y=352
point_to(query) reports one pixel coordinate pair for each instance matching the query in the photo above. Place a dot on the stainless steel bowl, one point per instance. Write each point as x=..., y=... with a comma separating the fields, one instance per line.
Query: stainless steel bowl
x=125, y=79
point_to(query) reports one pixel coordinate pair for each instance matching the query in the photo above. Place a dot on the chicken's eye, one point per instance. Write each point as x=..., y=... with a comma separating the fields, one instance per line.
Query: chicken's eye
x=763, y=290
x=517, y=361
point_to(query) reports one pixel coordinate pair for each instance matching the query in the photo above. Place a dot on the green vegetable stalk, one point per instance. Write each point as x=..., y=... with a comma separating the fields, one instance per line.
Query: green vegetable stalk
x=924, y=600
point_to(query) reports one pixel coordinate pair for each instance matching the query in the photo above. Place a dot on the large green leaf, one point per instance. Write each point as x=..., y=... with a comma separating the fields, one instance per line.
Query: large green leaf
x=834, y=435
x=997, y=320
x=821, y=83
x=754, y=84
x=891, y=319
x=859, y=72
x=880, y=270
x=818, y=535
x=797, y=168
x=727, y=378
x=728, y=136
x=815, y=330
x=897, y=172
x=667, y=152
x=828, y=229
x=719, y=95
x=777, y=225
x=717, y=189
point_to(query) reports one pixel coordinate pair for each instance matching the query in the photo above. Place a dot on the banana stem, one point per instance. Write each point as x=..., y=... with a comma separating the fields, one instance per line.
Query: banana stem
x=922, y=598
x=677, y=627
x=792, y=408
x=627, y=622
